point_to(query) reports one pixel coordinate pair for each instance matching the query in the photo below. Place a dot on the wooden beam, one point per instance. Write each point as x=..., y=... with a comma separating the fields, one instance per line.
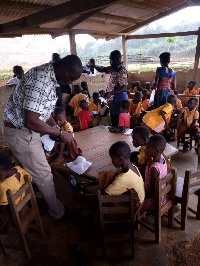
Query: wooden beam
x=91, y=32
x=75, y=7
x=72, y=42
x=124, y=46
x=23, y=6
x=197, y=54
x=74, y=23
x=161, y=35
x=115, y=18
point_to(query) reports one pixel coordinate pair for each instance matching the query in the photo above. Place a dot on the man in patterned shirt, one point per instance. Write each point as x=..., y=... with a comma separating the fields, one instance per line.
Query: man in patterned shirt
x=28, y=114
x=117, y=84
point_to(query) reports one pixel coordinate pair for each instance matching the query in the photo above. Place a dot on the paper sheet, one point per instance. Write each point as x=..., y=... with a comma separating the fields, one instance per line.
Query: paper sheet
x=48, y=143
x=80, y=165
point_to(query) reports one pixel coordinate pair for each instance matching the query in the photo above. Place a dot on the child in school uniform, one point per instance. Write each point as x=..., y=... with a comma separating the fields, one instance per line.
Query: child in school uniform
x=124, y=117
x=190, y=88
x=59, y=116
x=145, y=99
x=13, y=179
x=84, y=114
x=156, y=169
x=140, y=135
x=159, y=118
x=136, y=104
x=76, y=99
x=95, y=105
x=133, y=88
x=104, y=114
x=179, y=103
x=84, y=86
x=114, y=183
x=148, y=87
x=189, y=124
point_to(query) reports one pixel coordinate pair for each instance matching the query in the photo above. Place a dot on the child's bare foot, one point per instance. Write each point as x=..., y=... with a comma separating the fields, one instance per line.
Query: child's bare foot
x=59, y=159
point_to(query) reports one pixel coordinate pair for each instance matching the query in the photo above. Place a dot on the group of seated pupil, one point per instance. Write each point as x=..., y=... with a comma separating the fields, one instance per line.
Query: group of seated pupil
x=136, y=170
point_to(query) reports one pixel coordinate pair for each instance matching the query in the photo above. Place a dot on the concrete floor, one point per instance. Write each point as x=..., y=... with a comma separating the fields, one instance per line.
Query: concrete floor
x=55, y=248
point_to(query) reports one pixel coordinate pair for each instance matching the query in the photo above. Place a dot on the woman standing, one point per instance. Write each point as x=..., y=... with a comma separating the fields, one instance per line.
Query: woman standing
x=165, y=80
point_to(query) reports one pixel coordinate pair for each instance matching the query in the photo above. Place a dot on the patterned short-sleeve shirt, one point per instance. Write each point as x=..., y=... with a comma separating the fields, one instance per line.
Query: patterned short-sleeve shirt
x=118, y=76
x=35, y=92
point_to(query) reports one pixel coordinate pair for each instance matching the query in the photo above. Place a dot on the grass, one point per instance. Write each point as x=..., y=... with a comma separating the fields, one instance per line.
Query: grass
x=152, y=67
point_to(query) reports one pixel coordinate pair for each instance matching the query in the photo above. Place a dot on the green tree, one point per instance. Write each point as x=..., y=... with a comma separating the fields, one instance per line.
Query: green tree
x=171, y=40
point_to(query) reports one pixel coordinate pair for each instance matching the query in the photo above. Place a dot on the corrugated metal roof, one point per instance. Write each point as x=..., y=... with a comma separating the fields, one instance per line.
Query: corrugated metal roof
x=118, y=16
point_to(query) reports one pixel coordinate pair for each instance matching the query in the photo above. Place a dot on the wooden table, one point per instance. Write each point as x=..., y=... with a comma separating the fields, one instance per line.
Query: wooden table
x=95, y=143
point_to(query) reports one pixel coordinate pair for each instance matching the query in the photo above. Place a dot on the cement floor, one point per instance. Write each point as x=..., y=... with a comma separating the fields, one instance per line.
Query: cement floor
x=55, y=248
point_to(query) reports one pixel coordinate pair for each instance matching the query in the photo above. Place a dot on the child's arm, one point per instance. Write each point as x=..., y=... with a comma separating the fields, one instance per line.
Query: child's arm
x=162, y=113
x=193, y=124
x=154, y=176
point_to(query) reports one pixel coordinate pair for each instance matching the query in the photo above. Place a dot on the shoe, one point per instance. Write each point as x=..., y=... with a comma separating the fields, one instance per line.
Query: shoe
x=75, y=187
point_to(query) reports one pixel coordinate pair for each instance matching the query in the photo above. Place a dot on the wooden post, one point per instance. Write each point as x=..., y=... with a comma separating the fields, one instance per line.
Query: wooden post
x=197, y=54
x=72, y=42
x=124, y=46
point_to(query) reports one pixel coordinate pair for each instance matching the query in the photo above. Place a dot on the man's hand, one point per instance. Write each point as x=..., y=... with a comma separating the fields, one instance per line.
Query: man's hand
x=67, y=137
x=108, y=95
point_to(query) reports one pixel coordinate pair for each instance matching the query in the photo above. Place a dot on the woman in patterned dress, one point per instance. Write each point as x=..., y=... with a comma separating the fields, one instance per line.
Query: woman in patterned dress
x=165, y=80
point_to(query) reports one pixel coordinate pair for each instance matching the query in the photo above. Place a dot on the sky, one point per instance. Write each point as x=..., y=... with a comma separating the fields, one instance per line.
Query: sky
x=168, y=22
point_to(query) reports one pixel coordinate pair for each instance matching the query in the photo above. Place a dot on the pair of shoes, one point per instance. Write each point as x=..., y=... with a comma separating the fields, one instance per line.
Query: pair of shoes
x=75, y=187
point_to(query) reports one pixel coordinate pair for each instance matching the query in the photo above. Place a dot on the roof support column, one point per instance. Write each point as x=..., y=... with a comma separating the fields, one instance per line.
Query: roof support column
x=72, y=42
x=124, y=47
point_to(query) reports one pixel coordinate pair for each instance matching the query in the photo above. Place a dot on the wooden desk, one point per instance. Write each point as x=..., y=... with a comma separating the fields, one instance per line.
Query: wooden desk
x=95, y=143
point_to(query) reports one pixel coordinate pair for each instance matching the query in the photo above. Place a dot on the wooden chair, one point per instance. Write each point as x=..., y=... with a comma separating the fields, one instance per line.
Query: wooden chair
x=174, y=124
x=135, y=121
x=184, y=188
x=189, y=137
x=118, y=210
x=76, y=123
x=22, y=225
x=160, y=210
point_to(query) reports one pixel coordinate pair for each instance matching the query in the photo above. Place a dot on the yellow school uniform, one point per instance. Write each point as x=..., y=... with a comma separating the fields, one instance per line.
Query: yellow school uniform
x=93, y=107
x=135, y=108
x=192, y=92
x=145, y=104
x=154, y=119
x=75, y=102
x=198, y=91
x=14, y=185
x=126, y=181
x=67, y=127
x=190, y=116
x=143, y=159
x=179, y=104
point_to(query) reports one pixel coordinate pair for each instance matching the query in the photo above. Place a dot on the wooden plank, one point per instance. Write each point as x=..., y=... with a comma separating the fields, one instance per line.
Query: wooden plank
x=72, y=42
x=124, y=47
x=114, y=17
x=161, y=35
x=75, y=7
x=95, y=143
